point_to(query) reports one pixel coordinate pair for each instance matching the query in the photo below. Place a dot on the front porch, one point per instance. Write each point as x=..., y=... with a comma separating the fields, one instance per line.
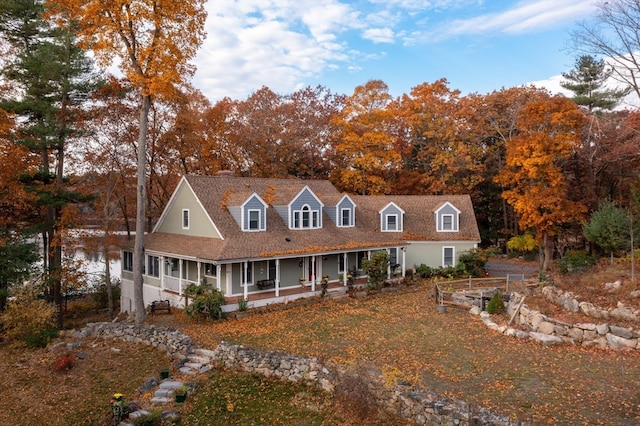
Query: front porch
x=285, y=295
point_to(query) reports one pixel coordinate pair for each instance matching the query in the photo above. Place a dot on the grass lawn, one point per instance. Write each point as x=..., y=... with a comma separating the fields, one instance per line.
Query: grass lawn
x=453, y=354
x=399, y=334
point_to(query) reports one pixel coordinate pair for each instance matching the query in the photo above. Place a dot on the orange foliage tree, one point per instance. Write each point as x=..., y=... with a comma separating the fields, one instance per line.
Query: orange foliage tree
x=438, y=156
x=366, y=155
x=154, y=39
x=533, y=179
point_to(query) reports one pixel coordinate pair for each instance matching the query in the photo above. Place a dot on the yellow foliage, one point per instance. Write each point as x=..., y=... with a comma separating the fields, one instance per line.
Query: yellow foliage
x=154, y=38
x=26, y=314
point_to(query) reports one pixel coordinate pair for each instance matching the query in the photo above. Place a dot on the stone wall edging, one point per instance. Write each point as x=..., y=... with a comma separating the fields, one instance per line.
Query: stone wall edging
x=550, y=331
x=413, y=403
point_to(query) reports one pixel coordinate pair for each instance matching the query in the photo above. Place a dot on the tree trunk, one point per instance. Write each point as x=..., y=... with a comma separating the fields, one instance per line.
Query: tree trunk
x=141, y=199
x=547, y=251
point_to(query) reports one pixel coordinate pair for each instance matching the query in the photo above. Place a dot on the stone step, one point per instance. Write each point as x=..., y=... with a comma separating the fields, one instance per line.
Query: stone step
x=193, y=365
x=199, y=359
x=188, y=371
x=171, y=384
x=163, y=393
x=138, y=413
x=162, y=399
x=205, y=353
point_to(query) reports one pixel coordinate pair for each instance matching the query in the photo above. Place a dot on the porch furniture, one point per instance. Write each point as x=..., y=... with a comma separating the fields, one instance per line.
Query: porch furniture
x=265, y=284
x=160, y=305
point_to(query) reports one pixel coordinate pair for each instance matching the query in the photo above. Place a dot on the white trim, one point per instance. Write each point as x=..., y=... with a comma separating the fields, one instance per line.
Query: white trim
x=351, y=223
x=248, y=222
x=441, y=227
x=314, y=215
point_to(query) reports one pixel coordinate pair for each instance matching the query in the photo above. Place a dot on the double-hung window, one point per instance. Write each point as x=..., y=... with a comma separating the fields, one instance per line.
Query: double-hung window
x=392, y=222
x=448, y=256
x=345, y=217
x=254, y=220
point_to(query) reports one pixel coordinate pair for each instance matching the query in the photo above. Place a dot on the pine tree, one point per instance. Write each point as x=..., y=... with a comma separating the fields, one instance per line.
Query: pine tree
x=51, y=77
x=587, y=81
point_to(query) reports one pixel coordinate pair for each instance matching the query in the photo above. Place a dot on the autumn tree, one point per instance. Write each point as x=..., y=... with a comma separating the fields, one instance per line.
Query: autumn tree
x=587, y=81
x=366, y=155
x=154, y=39
x=489, y=122
x=533, y=175
x=17, y=254
x=613, y=34
x=438, y=157
x=272, y=135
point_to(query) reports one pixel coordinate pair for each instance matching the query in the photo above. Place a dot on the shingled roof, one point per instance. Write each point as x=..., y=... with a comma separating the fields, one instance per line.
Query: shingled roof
x=217, y=193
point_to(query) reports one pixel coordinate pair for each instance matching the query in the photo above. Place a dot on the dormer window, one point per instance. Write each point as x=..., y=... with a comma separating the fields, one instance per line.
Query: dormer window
x=345, y=217
x=392, y=222
x=447, y=218
x=391, y=218
x=254, y=220
x=252, y=215
x=447, y=222
x=344, y=212
x=305, y=218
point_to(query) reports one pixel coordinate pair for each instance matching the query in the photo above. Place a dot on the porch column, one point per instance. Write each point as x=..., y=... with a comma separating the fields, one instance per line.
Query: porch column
x=313, y=273
x=346, y=269
x=244, y=281
x=199, y=266
x=163, y=268
x=389, y=265
x=181, y=276
x=277, y=277
x=218, y=272
x=404, y=260
x=229, y=278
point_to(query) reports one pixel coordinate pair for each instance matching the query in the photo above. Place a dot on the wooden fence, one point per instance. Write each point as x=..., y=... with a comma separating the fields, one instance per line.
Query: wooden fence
x=444, y=290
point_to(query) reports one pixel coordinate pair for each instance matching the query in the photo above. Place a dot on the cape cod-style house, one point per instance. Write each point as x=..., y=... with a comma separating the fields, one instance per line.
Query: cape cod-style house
x=269, y=240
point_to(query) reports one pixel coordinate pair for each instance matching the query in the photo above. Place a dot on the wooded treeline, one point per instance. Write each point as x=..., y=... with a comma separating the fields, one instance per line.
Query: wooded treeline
x=69, y=140
x=514, y=150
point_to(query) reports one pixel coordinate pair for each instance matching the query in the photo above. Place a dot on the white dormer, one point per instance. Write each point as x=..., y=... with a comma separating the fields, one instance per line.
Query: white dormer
x=391, y=218
x=447, y=218
x=305, y=210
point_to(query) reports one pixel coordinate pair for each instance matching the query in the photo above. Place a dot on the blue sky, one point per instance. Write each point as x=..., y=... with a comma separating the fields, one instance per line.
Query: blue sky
x=477, y=45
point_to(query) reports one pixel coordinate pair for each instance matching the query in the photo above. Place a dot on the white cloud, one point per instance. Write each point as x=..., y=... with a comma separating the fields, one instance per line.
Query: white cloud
x=257, y=43
x=524, y=17
x=378, y=35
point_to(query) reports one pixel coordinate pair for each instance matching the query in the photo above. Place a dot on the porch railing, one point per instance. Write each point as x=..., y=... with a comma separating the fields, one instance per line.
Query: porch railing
x=176, y=284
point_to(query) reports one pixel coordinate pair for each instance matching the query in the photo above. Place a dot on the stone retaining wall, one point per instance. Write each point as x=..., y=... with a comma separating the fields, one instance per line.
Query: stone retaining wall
x=413, y=403
x=174, y=343
x=551, y=331
x=569, y=302
x=410, y=402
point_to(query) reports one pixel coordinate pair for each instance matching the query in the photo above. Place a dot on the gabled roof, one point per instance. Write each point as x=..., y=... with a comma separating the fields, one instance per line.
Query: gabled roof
x=216, y=192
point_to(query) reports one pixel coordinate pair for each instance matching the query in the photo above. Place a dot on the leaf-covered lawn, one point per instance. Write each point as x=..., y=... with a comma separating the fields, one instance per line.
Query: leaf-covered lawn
x=452, y=353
